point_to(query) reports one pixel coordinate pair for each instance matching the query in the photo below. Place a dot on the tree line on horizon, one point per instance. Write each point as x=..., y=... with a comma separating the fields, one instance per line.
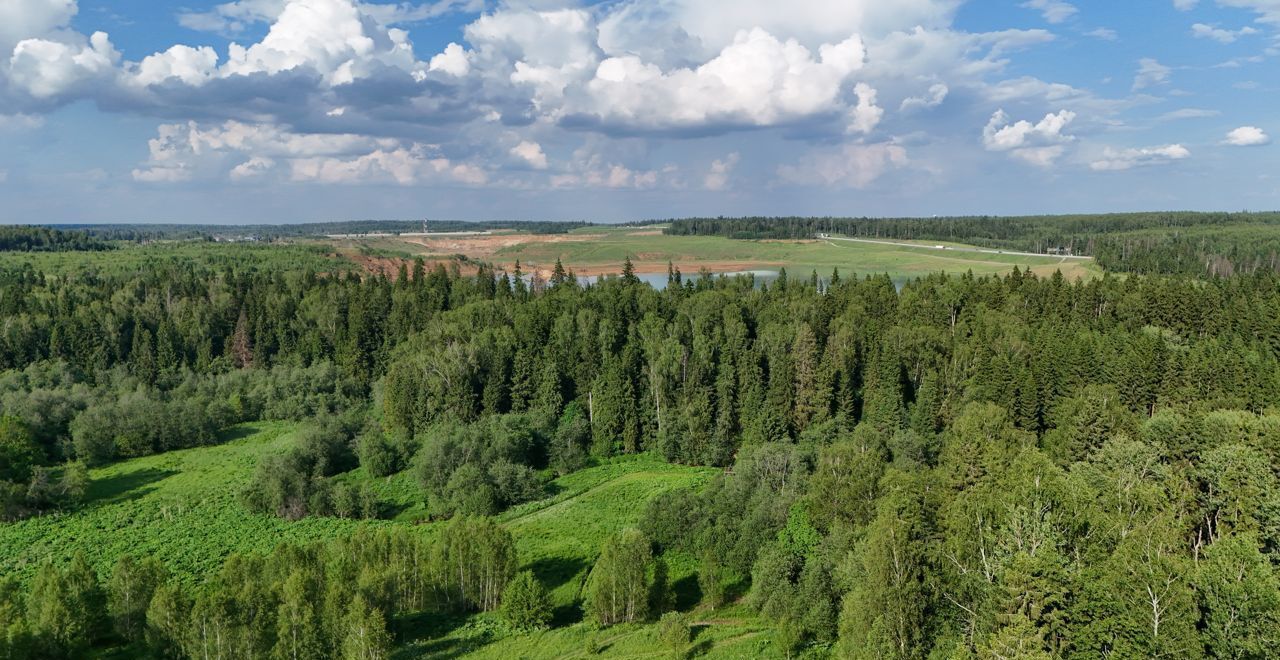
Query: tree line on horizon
x=1184, y=243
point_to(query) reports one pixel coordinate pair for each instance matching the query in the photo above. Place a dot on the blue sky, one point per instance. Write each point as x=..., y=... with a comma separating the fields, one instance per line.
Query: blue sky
x=311, y=110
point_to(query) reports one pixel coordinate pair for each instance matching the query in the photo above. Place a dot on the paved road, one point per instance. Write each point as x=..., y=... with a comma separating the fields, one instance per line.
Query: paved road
x=952, y=248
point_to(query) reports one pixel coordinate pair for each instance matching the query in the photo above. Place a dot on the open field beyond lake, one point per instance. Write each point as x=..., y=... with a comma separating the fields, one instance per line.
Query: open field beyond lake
x=601, y=250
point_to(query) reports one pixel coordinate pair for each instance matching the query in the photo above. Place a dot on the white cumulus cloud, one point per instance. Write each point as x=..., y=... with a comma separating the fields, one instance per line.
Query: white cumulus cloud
x=331, y=37
x=866, y=115
x=531, y=153
x=46, y=68
x=1114, y=160
x=758, y=80
x=1247, y=136
x=1040, y=144
x=1203, y=31
x=452, y=60
x=192, y=66
x=26, y=19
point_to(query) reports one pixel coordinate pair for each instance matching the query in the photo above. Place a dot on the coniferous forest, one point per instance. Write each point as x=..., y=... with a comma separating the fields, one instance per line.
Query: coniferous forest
x=951, y=467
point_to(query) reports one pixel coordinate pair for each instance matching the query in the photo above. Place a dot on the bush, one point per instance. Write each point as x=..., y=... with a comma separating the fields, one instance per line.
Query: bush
x=469, y=493
x=296, y=484
x=377, y=456
x=514, y=484
x=18, y=450
x=526, y=605
x=479, y=469
x=93, y=435
x=675, y=632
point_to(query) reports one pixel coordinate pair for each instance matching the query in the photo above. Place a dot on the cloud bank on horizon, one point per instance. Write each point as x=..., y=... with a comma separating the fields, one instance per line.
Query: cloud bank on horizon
x=287, y=110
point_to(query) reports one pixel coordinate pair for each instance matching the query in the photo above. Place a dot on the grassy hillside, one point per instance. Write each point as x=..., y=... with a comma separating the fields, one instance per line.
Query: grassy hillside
x=559, y=539
x=183, y=508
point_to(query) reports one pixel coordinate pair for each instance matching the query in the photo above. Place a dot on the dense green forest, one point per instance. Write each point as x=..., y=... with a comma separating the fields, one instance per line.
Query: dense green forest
x=990, y=467
x=1219, y=244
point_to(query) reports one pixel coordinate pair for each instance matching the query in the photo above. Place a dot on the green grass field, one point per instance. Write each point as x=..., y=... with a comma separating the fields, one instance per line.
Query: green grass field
x=183, y=508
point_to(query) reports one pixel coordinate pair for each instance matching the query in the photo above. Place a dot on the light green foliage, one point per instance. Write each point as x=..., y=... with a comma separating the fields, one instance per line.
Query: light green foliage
x=568, y=531
x=525, y=603
x=846, y=481
x=1240, y=492
x=474, y=559
x=1016, y=640
x=710, y=581
x=618, y=589
x=299, y=629
x=129, y=593
x=673, y=629
x=1141, y=599
x=15, y=636
x=884, y=612
x=366, y=633
x=167, y=619
x=1239, y=593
